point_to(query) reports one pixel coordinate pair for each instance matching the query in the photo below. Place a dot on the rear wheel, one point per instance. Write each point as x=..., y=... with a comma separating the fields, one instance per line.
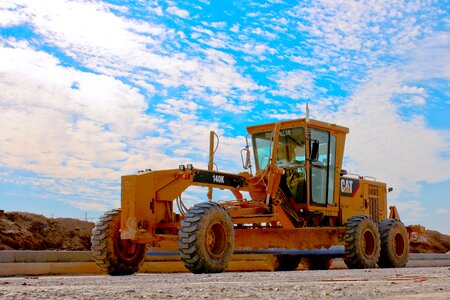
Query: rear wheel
x=286, y=262
x=316, y=263
x=362, y=243
x=112, y=254
x=206, y=238
x=394, y=244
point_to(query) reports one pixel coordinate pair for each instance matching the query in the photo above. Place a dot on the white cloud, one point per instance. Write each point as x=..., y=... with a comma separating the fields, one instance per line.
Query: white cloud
x=180, y=108
x=54, y=127
x=157, y=10
x=224, y=104
x=429, y=58
x=182, y=13
x=70, y=127
x=91, y=206
x=284, y=114
x=264, y=33
x=373, y=28
x=218, y=100
x=417, y=101
x=307, y=61
x=412, y=211
x=97, y=97
x=441, y=211
x=46, y=129
x=217, y=25
x=8, y=16
x=134, y=51
x=257, y=49
x=295, y=84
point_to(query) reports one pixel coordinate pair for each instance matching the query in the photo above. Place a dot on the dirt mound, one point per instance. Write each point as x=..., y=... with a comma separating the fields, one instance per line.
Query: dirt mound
x=28, y=231
x=430, y=242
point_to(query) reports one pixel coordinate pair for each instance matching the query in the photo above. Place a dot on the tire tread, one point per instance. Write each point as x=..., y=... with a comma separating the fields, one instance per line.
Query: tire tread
x=191, y=253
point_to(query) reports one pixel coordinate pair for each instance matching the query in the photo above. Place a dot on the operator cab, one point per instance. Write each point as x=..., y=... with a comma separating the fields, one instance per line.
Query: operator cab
x=291, y=156
x=307, y=151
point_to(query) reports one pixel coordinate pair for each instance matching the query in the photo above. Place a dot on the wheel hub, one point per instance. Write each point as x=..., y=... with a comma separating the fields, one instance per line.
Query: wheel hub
x=127, y=250
x=399, y=245
x=216, y=240
x=368, y=243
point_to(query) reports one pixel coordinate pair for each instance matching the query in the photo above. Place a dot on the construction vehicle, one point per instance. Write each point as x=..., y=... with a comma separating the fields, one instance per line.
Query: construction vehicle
x=300, y=201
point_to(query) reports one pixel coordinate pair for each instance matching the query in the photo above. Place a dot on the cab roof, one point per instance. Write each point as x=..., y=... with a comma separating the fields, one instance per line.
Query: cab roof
x=297, y=123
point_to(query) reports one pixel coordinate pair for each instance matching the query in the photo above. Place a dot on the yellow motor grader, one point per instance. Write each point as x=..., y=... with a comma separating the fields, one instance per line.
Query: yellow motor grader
x=299, y=203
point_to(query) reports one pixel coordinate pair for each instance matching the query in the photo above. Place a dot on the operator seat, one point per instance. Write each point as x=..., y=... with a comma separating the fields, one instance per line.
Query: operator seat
x=293, y=181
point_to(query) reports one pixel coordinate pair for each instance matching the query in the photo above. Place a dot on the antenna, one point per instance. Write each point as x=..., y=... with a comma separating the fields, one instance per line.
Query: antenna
x=307, y=113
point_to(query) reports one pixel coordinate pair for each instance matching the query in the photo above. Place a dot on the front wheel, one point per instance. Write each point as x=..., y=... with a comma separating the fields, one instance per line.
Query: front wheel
x=112, y=254
x=206, y=238
x=394, y=244
x=362, y=243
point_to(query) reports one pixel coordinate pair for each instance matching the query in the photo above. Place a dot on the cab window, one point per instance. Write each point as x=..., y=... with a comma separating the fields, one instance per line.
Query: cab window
x=322, y=170
x=290, y=148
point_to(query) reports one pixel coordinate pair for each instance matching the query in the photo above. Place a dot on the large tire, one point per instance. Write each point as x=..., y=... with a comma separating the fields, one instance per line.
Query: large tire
x=394, y=244
x=286, y=262
x=362, y=243
x=112, y=254
x=206, y=238
x=316, y=263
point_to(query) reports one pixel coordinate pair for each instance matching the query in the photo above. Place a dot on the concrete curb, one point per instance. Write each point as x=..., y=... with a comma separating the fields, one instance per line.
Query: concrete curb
x=429, y=256
x=23, y=263
x=27, y=269
x=30, y=256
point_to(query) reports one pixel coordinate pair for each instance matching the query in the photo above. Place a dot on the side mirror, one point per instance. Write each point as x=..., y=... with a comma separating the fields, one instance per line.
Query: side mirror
x=314, y=156
x=245, y=156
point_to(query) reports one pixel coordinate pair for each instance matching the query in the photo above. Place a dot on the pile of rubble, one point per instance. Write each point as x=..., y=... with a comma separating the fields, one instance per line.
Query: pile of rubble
x=28, y=231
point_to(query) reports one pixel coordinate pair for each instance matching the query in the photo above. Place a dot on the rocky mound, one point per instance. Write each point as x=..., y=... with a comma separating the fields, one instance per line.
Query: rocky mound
x=430, y=242
x=28, y=231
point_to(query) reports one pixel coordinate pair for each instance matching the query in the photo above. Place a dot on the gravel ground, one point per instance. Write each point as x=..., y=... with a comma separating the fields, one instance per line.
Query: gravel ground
x=413, y=283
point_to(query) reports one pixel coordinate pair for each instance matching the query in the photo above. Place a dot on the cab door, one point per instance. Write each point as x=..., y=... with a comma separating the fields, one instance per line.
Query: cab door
x=322, y=170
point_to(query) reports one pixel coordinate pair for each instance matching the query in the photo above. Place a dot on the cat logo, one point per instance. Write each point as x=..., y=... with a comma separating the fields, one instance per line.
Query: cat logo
x=349, y=186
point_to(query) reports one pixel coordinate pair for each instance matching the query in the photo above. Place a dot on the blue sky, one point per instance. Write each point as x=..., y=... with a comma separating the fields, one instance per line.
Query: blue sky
x=92, y=90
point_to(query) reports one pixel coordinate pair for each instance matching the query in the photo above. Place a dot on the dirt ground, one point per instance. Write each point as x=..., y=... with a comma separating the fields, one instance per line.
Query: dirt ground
x=413, y=283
